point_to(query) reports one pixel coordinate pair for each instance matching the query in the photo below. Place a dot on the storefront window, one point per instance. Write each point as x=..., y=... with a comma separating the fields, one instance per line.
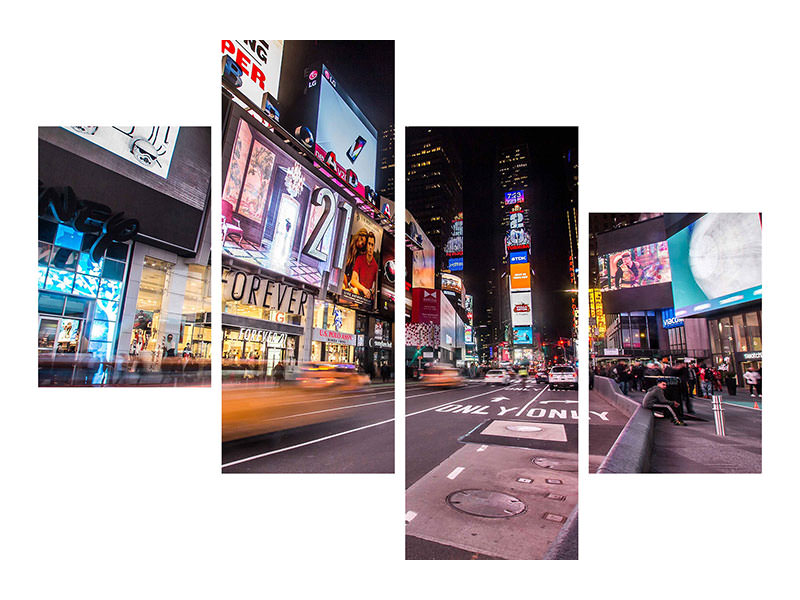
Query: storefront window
x=753, y=330
x=740, y=333
x=153, y=291
x=195, y=334
x=714, y=328
x=337, y=318
x=232, y=307
x=71, y=284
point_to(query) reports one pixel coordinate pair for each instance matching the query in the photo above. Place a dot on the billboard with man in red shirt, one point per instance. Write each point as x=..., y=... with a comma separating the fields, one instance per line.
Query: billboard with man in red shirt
x=362, y=265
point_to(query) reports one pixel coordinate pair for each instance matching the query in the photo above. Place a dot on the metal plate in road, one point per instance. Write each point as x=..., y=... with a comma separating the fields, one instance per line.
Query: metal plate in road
x=486, y=503
x=556, y=464
x=530, y=431
x=562, y=437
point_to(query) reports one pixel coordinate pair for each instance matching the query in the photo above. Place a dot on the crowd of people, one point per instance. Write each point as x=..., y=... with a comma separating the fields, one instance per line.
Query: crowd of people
x=671, y=387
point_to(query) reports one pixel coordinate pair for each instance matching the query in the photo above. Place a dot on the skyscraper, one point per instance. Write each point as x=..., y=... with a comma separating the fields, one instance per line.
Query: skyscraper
x=386, y=158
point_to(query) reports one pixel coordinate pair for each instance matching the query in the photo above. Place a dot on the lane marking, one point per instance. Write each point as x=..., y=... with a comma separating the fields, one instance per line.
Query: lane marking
x=419, y=412
x=322, y=439
x=455, y=472
x=410, y=516
x=482, y=448
x=522, y=410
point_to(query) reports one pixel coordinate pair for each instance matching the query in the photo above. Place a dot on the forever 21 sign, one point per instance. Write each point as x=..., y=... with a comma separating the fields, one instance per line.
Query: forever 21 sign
x=249, y=288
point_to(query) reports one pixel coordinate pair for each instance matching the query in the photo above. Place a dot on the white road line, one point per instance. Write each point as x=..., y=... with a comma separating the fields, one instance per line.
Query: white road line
x=328, y=437
x=410, y=516
x=419, y=412
x=482, y=448
x=455, y=472
x=522, y=410
x=327, y=410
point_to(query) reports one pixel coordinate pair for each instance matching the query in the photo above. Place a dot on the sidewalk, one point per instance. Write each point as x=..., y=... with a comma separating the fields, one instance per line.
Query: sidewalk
x=697, y=449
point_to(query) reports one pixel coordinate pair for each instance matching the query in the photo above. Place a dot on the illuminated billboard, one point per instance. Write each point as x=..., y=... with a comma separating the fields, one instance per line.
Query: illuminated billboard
x=278, y=215
x=455, y=264
x=521, y=311
x=635, y=267
x=363, y=261
x=423, y=267
x=468, y=339
x=516, y=258
x=342, y=129
x=452, y=284
x=514, y=197
x=523, y=335
x=520, y=276
x=716, y=263
x=455, y=245
x=259, y=66
x=517, y=239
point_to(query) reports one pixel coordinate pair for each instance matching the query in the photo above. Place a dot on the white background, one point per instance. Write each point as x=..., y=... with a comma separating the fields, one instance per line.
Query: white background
x=117, y=493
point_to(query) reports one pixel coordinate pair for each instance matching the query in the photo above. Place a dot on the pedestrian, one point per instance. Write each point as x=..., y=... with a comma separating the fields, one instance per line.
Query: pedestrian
x=730, y=382
x=705, y=381
x=752, y=378
x=758, y=383
x=385, y=372
x=686, y=401
x=278, y=373
x=655, y=399
x=623, y=377
x=637, y=375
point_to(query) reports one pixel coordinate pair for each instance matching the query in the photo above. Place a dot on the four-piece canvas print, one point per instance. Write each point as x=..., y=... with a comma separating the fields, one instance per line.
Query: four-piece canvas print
x=494, y=344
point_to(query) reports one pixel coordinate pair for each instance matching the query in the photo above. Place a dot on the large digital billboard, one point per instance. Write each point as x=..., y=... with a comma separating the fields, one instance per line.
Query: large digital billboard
x=520, y=276
x=455, y=245
x=635, y=267
x=423, y=267
x=521, y=313
x=342, y=129
x=280, y=216
x=716, y=263
x=523, y=335
x=514, y=197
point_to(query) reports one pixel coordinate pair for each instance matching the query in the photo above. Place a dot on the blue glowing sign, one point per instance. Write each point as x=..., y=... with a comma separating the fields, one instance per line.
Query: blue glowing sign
x=515, y=197
x=518, y=257
x=455, y=264
x=669, y=320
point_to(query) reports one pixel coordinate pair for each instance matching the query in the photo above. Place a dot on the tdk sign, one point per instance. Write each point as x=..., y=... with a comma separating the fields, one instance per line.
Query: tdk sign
x=518, y=257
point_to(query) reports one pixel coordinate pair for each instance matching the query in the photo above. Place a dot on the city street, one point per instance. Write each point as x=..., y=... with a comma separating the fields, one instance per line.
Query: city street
x=603, y=432
x=491, y=470
x=330, y=432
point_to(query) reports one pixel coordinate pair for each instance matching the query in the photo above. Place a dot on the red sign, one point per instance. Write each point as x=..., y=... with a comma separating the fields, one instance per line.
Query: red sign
x=425, y=306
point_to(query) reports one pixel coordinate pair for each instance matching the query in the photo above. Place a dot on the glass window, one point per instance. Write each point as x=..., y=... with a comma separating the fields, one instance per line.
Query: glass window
x=86, y=286
x=68, y=237
x=106, y=309
x=102, y=331
x=75, y=307
x=47, y=231
x=44, y=253
x=153, y=289
x=101, y=350
x=117, y=251
x=63, y=258
x=110, y=290
x=740, y=333
x=52, y=304
x=42, y=276
x=59, y=280
x=753, y=331
x=88, y=241
x=113, y=270
x=69, y=331
x=726, y=335
x=47, y=334
x=88, y=266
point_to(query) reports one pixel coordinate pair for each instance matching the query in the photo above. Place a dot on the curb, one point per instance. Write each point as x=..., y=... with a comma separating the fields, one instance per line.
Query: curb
x=565, y=546
x=634, y=445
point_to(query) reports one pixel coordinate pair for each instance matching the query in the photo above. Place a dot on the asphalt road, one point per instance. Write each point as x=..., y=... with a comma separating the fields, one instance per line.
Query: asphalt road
x=331, y=432
x=603, y=432
x=478, y=446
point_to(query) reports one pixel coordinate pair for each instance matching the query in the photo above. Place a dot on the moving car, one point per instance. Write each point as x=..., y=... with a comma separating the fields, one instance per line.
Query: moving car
x=320, y=375
x=441, y=377
x=497, y=376
x=542, y=377
x=563, y=376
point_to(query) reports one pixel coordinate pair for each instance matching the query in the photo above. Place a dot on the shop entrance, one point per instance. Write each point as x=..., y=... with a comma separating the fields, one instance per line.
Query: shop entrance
x=59, y=335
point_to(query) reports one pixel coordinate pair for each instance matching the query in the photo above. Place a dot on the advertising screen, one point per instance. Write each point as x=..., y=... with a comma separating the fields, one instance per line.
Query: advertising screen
x=275, y=213
x=452, y=283
x=635, y=267
x=260, y=63
x=455, y=245
x=425, y=305
x=516, y=258
x=514, y=197
x=342, y=129
x=468, y=335
x=520, y=276
x=521, y=313
x=523, y=335
x=448, y=323
x=517, y=239
x=455, y=264
x=423, y=269
x=716, y=262
x=388, y=275
x=363, y=262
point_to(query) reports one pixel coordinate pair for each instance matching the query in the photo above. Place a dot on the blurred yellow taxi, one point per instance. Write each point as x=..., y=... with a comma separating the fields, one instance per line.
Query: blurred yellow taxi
x=441, y=377
x=320, y=375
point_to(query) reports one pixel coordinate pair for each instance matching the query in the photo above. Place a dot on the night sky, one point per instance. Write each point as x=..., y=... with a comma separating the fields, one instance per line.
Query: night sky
x=364, y=69
x=550, y=244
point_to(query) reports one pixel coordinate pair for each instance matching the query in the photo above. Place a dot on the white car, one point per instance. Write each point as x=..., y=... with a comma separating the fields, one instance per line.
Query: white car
x=562, y=376
x=497, y=376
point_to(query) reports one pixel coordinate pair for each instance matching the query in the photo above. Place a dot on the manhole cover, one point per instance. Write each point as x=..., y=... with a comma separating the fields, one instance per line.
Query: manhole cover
x=485, y=503
x=554, y=464
x=527, y=428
